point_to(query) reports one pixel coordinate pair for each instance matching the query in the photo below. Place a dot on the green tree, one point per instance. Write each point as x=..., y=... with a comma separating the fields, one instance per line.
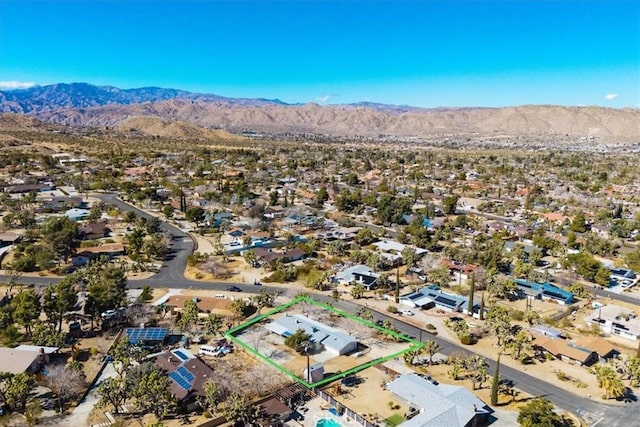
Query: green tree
x=321, y=196
x=16, y=389
x=62, y=236
x=46, y=335
x=155, y=247
x=188, y=315
x=238, y=408
x=476, y=367
x=26, y=308
x=579, y=290
x=539, y=412
x=449, y=204
x=495, y=384
x=603, y=277
x=265, y=298
x=135, y=241
x=472, y=290
x=520, y=344
x=499, y=323
x=579, y=224
x=195, y=215
x=585, y=264
x=296, y=339
x=168, y=211
x=59, y=299
x=213, y=396
x=213, y=324
x=113, y=391
x=609, y=381
x=439, y=276
x=357, y=291
x=532, y=317
x=431, y=348
x=365, y=237
x=106, y=287
x=153, y=394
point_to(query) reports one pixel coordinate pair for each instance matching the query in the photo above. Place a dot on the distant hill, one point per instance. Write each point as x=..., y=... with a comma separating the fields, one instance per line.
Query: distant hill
x=82, y=104
x=158, y=127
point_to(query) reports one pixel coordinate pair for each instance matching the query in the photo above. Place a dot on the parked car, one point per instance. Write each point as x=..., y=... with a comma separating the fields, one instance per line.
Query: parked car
x=232, y=288
x=407, y=312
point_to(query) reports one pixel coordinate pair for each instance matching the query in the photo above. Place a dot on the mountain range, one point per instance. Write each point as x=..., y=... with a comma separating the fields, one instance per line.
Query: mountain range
x=83, y=104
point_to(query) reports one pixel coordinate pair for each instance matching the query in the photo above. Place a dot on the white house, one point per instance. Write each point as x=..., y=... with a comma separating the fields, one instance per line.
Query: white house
x=432, y=296
x=437, y=405
x=323, y=337
x=615, y=320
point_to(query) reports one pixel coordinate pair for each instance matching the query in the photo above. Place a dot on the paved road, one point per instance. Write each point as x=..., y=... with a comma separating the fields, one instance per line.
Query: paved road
x=591, y=410
x=171, y=275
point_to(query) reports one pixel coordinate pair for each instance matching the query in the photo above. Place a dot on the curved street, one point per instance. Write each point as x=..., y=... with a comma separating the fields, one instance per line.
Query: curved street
x=171, y=276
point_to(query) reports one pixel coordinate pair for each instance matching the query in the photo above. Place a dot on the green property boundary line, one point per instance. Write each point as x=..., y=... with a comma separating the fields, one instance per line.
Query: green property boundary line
x=415, y=345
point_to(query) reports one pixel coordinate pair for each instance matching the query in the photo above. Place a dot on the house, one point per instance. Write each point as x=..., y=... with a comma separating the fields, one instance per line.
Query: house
x=602, y=230
x=27, y=188
x=432, y=296
x=77, y=214
x=394, y=247
x=437, y=405
x=8, y=239
x=565, y=350
x=274, y=212
x=59, y=203
x=323, y=337
x=546, y=331
x=269, y=256
x=546, y=291
x=603, y=348
x=24, y=358
x=615, y=320
x=109, y=250
x=358, y=274
x=621, y=274
x=459, y=270
x=94, y=230
x=556, y=218
x=188, y=375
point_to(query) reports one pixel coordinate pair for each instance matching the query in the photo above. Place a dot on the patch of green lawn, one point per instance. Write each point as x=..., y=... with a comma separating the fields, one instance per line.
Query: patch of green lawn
x=394, y=420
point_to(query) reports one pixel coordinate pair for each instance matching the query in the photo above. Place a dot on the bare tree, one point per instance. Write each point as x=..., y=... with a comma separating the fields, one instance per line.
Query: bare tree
x=65, y=382
x=216, y=268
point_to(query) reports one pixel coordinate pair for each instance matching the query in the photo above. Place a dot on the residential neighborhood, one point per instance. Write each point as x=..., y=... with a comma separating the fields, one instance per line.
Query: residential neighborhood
x=126, y=275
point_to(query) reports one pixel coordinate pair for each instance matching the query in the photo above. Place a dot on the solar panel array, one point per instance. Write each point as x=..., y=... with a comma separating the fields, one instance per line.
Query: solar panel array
x=136, y=335
x=180, y=354
x=183, y=377
x=186, y=374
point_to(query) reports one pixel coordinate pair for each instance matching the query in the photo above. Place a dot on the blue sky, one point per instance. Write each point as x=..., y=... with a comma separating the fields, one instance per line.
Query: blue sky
x=423, y=53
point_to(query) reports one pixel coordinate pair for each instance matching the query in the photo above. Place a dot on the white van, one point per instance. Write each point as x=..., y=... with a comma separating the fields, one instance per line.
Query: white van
x=207, y=350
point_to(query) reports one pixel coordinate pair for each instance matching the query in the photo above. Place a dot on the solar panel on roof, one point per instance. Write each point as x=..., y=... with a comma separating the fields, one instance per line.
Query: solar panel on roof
x=180, y=354
x=177, y=378
x=186, y=374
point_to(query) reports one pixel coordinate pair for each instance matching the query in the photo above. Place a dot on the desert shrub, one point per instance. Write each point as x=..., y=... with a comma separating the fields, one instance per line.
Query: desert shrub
x=392, y=309
x=276, y=276
x=430, y=327
x=467, y=339
x=517, y=315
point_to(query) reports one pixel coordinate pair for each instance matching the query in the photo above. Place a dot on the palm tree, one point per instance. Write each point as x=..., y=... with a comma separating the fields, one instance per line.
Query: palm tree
x=609, y=381
x=431, y=348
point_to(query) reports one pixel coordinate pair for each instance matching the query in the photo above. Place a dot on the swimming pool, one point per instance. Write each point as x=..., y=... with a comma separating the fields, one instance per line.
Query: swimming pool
x=327, y=422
